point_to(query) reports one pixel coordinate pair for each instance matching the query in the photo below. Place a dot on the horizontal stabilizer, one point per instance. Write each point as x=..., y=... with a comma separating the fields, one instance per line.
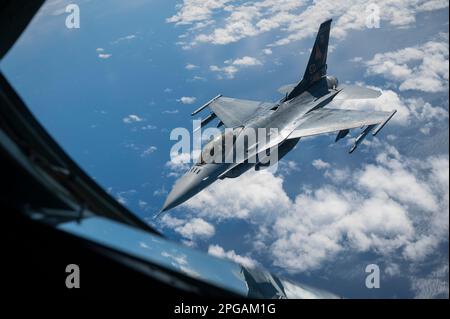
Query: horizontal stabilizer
x=354, y=92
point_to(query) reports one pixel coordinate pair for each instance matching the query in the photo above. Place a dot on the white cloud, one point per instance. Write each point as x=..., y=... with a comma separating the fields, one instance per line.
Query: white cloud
x=148, y=127
x=179, y=163
x=388, y=102
x=424, y=111
x=233, y=66
x=227, y=71
x=424, y=67
x=196, y=78
x=337, y=174
x=392, y=269
x=397, y=208
x=187, y=99
x=170, y=112
x=222, y=22
x=132, y=118
x=196, y=10
x=407, y=109
x=231, y=198
x=104, y=56
x=245, y=61
x=142, y=204
x=149, y=150
x=123, y=197
x=433, y=285
x=171, y=222
x=191, y=66
x=320, y=164
x=124, y=38
x=218, y=251
x=267, y=51
x=196, y=228
x=287, y=167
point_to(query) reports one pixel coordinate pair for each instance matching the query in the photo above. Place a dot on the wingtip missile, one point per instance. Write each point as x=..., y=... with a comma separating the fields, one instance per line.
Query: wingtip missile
x=378, y=129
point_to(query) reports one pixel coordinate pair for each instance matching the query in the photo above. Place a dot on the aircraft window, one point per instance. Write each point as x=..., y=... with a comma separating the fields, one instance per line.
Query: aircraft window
x=87, y=91
x=73, y=82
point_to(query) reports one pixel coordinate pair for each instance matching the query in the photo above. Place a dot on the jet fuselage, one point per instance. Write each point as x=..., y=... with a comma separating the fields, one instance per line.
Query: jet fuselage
x=283, y=116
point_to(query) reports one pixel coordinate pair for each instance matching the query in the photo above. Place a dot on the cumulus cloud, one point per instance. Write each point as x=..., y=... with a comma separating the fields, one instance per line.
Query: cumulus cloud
x=180, y=261
x=227, y=71
x=196, y=10
x=424, y=67
x=124, y=38
x=433, y=285
x=124, y=197
x=222, y=22
x=408, y=110
x=245, y=61
x=179, y=163
x=149, y=150
x=218, y=251
x=187, y=100
x=396, y=206
x=104, y=56
x=196, y=227
x=191, y=66
x=170, y=112
x=233, y=66
x=320, y=164
x=132, y=118
x=374, y=211
x=148, y=127
x=388, y=102
x=261, y=192
x=287, y=167
x=189, y=229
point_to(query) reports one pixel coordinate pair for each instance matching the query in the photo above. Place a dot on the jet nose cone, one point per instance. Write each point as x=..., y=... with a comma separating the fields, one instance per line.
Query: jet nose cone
x=195, y=180
x=183, y=189
x=173, y=199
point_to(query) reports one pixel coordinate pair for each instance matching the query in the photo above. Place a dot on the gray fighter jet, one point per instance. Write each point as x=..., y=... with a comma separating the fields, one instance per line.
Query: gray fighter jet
x=301, y=112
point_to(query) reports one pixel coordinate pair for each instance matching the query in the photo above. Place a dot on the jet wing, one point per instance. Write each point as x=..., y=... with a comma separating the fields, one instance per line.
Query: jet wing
x=332, y=120
x=234, y=112
x=347, y=92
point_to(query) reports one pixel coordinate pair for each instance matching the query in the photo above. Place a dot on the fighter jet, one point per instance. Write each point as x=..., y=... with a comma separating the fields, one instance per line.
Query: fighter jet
x=301, y=112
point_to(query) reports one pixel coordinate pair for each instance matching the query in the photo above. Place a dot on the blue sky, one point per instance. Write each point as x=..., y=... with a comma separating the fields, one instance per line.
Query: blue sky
x=111, y=91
